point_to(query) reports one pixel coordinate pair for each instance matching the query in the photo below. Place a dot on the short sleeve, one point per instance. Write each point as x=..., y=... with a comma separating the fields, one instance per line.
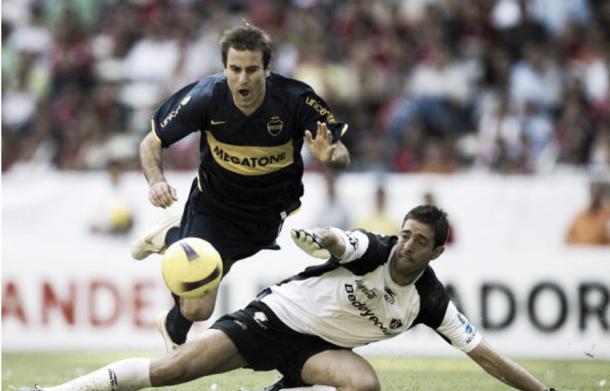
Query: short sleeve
x=356, y=243
x=314, y=109
x=458, y=330
x=183, y=113
x=365, y=251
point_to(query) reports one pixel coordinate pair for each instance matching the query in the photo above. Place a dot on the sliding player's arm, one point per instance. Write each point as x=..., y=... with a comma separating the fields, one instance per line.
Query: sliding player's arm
x=343, y=246
x=504, y=369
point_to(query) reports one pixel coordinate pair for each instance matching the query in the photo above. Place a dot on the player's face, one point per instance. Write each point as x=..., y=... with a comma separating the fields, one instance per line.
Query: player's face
x=246, y=78
x=415, y=248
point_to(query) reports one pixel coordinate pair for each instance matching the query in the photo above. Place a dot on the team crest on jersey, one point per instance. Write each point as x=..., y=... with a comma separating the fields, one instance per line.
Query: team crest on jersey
x=389, y=296
x=395, y=323
x=275, y=126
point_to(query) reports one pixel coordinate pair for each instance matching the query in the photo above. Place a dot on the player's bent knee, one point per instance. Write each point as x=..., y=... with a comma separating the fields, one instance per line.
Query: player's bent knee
x=366, y=382
x=198, y=309
x=197, y=314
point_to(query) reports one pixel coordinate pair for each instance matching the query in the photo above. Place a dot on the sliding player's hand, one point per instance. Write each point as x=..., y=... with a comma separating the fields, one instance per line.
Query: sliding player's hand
x=309, y=241
x=321, y=147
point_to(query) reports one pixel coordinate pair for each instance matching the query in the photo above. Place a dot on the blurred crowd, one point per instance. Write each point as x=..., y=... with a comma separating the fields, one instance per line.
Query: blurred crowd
x=510, y=86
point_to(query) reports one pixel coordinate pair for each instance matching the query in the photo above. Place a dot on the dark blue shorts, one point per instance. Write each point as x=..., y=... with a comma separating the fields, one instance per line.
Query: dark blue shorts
x=233, y=238
x=266, y=343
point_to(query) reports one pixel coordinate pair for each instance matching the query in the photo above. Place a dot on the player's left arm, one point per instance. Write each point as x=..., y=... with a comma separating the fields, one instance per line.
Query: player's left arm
x=504, y=369
x=463, y=335
x=321, y=147
x=322, y=131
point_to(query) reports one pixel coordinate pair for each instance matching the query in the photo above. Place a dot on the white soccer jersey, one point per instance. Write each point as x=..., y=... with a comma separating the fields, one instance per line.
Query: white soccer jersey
x=353, y=301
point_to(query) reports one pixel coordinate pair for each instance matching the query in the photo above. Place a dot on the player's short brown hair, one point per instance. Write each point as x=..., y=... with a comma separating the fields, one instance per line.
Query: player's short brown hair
x=246, y=37
x=435, y=217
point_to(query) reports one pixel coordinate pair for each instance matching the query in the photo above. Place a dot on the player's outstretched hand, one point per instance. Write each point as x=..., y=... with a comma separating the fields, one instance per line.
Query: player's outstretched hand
x=309, y=241
x=162, y=195
x=321, y=147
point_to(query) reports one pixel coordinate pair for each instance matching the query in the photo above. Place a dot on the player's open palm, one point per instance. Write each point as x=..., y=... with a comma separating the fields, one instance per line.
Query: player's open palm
x=321, y=146
x=162, y=195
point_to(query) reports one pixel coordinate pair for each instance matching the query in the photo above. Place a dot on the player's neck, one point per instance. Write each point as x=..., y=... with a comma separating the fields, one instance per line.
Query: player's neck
x=401, y=276
x=250, y=109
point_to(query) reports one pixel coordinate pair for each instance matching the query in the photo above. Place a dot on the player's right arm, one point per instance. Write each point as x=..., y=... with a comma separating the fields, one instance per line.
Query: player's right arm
x=181, y=114
x=160, y=193
x=330, y=241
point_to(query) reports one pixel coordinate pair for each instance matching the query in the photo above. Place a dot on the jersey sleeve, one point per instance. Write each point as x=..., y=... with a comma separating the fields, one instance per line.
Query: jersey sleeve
x=365, y=251
x=183, y=113
x=458, y=331
x=356, y=243
x=313, y=109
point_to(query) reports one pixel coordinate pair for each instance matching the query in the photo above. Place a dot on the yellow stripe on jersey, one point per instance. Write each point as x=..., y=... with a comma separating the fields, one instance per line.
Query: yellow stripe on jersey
x=250, y=160
x=153, y=129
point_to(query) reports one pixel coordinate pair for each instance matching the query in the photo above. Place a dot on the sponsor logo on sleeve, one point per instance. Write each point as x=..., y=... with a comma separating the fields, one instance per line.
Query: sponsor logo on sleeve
x=174, y=113
x=469, y=329
x=353, y=240
x=323, y=111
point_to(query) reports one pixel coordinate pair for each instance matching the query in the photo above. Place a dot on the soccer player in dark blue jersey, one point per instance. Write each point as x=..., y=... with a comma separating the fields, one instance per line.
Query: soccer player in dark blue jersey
x=253, y=125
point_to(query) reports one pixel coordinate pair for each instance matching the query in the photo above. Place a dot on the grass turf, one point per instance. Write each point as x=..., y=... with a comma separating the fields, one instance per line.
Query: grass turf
x=19, y=369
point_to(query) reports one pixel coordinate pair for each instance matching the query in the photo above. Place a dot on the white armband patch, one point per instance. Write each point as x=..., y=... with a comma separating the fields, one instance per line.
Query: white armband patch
x=462, y=334
x=356, y=243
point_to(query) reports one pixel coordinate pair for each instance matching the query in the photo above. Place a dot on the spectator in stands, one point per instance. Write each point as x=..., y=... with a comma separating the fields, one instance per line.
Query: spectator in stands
x=592, y=225
x=452, y=58
x=333, y=212
x=379, y=220
x=116, y=217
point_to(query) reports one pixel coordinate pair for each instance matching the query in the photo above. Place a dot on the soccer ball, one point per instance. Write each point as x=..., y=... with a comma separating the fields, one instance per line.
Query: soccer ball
x=191, y=267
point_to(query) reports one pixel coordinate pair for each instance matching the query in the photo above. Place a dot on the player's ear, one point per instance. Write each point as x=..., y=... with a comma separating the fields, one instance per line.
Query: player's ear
x=437, y=252
x=268, y=71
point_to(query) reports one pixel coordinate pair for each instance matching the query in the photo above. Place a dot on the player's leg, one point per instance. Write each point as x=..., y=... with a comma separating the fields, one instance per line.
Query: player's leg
x=342, y=369
x=175, y=324
x=209, y=354
x=201, y=308
x=214, y=352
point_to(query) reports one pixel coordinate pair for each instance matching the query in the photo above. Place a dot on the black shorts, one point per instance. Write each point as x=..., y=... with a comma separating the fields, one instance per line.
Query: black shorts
x=234, y=239
x=267, y=343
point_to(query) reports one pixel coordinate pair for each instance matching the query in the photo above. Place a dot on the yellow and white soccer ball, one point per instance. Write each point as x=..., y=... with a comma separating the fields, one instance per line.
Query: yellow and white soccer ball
x=191, y=267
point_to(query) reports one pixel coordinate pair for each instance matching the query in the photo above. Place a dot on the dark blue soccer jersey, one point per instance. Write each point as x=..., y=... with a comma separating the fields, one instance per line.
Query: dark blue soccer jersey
x=250, y=166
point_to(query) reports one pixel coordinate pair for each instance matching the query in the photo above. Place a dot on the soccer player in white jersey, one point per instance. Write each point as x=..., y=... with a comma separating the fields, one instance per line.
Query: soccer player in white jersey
x=373, y=287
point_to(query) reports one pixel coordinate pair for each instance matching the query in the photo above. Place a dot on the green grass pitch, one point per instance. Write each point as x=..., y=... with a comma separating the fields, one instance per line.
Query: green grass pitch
x=424, y=374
